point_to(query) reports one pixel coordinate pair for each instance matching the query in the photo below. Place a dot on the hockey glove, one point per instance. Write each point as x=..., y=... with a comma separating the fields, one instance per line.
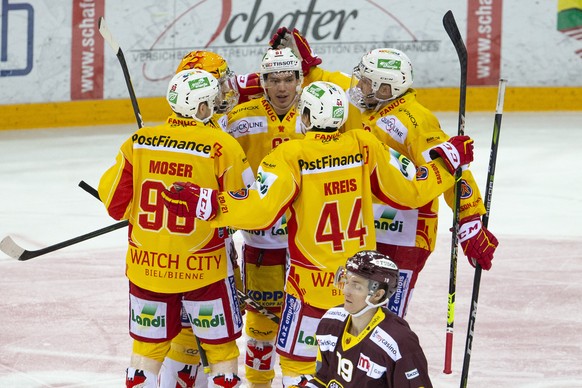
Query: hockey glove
x=190, y=200
x=249, y=86
x=297, y=42
x=456, y=152
x=477, y=242
x=229, y=380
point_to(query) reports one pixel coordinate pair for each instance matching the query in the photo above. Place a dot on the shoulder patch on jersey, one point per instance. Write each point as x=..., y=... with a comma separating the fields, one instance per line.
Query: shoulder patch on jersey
x=386, y=343
x=239, y=194
x=421, y=173
x=338, y=313
x=372, y=369
x=393, y=127
x=250, y=125
x=326, y=342
x=264, y=182
x=403, y=164
x=466, y=190
x=411, y=374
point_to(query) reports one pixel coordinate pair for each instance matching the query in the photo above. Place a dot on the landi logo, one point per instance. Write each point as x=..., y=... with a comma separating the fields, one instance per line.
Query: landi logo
x=389, y=64
x=207, y=318
x=147, y=317
x=199, y=83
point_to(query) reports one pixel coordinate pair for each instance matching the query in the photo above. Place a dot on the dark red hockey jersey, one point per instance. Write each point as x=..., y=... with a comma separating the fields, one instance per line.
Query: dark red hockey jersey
x=386, y=354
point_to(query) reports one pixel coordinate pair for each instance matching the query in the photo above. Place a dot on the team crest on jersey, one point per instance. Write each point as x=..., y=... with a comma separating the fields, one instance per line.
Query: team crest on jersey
x=421, y=173
x=239, y=194
x=466, y=190
x=334, y=384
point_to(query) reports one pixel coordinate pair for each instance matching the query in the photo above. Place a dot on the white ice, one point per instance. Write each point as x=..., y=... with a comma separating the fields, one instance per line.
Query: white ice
x=63, y=315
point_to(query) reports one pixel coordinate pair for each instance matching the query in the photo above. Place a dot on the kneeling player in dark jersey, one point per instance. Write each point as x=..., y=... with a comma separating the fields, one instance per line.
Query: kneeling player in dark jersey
x=361, y=343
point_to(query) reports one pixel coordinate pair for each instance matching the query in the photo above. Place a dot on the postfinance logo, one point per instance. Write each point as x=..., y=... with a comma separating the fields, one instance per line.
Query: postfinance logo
x=207, y=319
x=147, y=317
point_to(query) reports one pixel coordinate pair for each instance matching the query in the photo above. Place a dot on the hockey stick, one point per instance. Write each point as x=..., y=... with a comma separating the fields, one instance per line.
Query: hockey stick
x=485, y=221
x=8, y=246
x=245, y=298
x=106, y=34
x=453, y=31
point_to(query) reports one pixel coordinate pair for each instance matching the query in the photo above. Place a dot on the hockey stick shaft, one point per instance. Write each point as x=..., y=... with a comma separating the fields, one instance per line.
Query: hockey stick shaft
x=108, y=36
x=13, y=250
x=245, y=298
x=485, y=220
x=452, y=30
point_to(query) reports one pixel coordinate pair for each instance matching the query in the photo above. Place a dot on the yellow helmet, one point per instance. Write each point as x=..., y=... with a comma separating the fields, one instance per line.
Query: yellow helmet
x=217, y=66
x=204, y=60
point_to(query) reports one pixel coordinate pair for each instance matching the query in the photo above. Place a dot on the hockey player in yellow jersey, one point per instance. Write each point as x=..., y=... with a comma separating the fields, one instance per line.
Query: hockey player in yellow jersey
x=326, y=181
x=383, y=103
x=181, y=367
x=266, y=279
x=173, y=263
x=259, y=126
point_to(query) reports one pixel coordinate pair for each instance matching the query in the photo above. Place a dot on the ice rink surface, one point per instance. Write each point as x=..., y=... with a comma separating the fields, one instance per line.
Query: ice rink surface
x=64, y=314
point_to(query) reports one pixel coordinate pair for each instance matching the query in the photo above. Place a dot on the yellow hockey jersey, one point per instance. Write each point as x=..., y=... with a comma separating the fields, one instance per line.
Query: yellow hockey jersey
x=258, y=129
x=326, y=180
x=170, y=254
x=412, y=130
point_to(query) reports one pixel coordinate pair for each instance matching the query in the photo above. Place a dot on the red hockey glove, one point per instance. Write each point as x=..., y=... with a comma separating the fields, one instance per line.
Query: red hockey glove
x=229, y=380
x=456, y=152
x=297, y=42
x=190, y=200
x=249, y=86
x=477, y=242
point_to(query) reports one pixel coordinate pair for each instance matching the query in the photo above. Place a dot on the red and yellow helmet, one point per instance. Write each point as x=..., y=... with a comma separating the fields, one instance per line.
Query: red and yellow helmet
x=218, y=67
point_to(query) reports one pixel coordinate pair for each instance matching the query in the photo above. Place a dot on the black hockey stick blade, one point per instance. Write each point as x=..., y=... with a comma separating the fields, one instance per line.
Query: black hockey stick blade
x=108, y=37
x=90, y=189
x=455, y=35
x=9, y=247
x=452, y=30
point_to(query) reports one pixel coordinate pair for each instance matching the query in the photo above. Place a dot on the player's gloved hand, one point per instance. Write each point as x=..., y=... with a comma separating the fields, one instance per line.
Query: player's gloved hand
x=190, y=200
x=297, y=42
x=477, y=242
x=229, y=380
x=249, y=86
x=456, y=152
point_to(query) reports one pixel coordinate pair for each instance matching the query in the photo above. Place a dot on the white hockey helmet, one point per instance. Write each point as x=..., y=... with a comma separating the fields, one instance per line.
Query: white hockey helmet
x=326, y=104
x=381, y=66
x=189, y=88
x=281, y=61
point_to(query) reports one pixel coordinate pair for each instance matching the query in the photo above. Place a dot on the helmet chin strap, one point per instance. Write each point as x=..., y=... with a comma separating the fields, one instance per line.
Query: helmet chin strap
x=368, y=307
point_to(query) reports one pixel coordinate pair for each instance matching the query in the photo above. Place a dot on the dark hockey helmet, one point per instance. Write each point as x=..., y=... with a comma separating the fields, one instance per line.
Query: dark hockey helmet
x=377, y=268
